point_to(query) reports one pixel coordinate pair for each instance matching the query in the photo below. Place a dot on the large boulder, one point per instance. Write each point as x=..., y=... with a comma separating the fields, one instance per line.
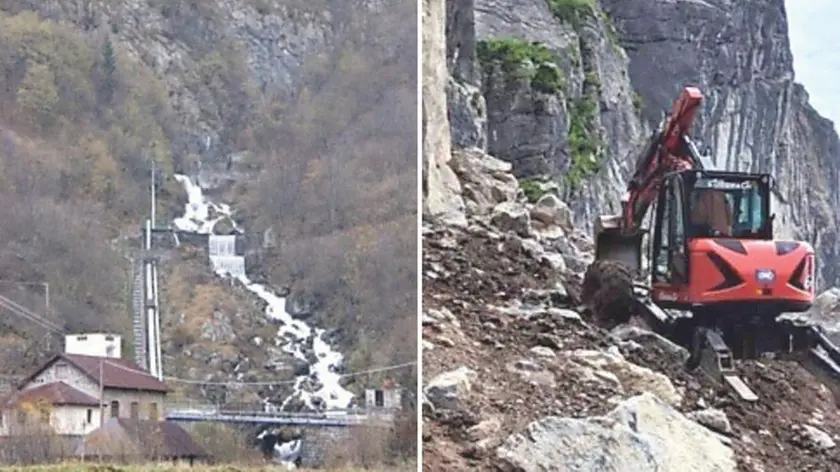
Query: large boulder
x=513, y=217
x=642, y=433
x=449, y=390
x=551, y=211
x=629, y=377
x=485, y=180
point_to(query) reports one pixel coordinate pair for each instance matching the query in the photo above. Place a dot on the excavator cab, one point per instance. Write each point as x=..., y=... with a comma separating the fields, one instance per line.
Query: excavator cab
x=690, y=205
x=712, y=245
x=730, y=205
x=696, y=204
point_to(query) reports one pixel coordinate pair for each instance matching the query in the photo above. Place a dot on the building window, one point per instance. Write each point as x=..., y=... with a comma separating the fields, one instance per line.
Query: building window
x=89, y=416
x=21, y=417
x=153, y=411
x=135, y=410
x=2, y=419
x=379, y=398
x=115, y=409
x=61, y=371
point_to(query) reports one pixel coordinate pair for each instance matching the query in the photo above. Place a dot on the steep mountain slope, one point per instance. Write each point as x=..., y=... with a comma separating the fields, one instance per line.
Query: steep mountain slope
x=562, y=93
x=621, y=64
x=299, y=114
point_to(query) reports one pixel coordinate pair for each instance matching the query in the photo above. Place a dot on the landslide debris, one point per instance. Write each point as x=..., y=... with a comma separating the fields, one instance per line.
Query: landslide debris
x=517, y=376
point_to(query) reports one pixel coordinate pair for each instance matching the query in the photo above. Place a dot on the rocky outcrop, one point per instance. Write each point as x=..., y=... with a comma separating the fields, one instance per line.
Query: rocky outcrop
x=440, y=185
x=569, y=93
x=530, y=125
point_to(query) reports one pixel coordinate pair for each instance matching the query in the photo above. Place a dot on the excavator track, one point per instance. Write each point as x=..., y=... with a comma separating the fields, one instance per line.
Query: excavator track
x=613, y=297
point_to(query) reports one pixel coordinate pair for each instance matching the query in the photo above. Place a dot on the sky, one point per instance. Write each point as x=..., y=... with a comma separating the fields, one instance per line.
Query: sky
x=814, y=37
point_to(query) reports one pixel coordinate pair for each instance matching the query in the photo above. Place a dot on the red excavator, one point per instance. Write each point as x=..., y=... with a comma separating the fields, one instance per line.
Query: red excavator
x=716, y=277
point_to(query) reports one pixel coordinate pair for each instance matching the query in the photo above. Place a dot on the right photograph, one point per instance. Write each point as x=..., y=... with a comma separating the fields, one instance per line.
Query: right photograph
x=629, y=237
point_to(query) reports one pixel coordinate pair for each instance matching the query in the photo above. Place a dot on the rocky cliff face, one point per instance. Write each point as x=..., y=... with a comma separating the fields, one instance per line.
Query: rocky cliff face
x=209, y=54
x=756, y=117
x=516, y=377
x=569, y=89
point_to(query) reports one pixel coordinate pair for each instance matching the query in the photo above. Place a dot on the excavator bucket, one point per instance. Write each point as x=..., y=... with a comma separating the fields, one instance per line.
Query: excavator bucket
x=612, y=245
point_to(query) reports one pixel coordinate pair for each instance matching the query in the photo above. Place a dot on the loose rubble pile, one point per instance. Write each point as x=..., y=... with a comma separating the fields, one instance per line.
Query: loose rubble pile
x=516, y=378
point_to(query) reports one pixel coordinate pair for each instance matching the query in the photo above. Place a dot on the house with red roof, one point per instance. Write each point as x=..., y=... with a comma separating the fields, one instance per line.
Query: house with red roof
x=76, y=392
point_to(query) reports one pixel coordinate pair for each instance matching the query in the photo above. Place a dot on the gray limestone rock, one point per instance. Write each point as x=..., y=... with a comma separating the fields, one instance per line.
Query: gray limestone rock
x=642, y=433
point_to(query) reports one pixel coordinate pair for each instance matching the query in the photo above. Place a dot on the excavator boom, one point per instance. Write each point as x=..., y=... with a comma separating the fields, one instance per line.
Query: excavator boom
x=669, y=149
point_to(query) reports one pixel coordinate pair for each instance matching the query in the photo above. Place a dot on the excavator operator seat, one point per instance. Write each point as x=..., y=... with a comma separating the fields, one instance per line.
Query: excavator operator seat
x=710, y=213
x=728, y=205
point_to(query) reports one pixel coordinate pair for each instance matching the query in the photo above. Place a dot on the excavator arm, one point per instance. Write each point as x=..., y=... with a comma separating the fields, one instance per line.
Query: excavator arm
x=669, y=149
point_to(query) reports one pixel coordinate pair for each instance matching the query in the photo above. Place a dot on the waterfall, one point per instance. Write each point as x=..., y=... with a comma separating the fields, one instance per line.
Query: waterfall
x=223, y=256
x=322, y=386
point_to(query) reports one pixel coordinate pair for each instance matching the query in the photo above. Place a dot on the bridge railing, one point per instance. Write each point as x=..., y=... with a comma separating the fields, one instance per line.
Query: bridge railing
x=264, y=410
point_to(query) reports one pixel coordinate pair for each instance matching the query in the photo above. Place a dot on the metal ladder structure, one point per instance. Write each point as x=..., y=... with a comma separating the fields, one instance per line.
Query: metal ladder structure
x=138, y=316
x=145, y=309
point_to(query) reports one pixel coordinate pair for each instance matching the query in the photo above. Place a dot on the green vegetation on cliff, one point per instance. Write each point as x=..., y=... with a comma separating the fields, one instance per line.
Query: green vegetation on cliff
x=522, y=60
x=535, y=188
x=583, y=140
x=572, y=10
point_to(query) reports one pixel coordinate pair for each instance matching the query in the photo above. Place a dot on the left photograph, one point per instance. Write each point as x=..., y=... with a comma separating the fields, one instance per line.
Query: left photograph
x=209, y=251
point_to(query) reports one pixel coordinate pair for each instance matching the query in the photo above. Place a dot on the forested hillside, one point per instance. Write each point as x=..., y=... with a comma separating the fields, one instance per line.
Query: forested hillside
x=306, y=114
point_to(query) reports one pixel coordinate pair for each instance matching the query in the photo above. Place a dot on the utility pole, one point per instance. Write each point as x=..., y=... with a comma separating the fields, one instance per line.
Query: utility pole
x=154, y=220
x=158, y=355
x=101, y=393
x=156, y=324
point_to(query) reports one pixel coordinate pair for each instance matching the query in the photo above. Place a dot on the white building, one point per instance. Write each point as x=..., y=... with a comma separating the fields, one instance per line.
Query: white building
x=94, y=344
x=389, y=398
x=70, y=394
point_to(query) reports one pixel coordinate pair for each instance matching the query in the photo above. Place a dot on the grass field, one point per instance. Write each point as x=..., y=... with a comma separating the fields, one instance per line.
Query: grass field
x=165, y=467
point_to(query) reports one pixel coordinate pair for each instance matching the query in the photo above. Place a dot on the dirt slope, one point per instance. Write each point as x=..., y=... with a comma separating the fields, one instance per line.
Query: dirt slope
x=494, y=305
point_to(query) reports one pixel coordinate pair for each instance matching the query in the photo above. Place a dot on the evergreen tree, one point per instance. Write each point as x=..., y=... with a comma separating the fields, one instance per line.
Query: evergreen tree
x=109, y=70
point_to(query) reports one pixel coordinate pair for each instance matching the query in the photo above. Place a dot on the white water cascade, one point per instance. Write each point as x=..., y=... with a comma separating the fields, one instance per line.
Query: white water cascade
x=223, y=256
x=200, y=216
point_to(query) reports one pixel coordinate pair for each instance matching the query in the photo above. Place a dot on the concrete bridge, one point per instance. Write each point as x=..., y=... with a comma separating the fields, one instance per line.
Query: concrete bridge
x=259, y=414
